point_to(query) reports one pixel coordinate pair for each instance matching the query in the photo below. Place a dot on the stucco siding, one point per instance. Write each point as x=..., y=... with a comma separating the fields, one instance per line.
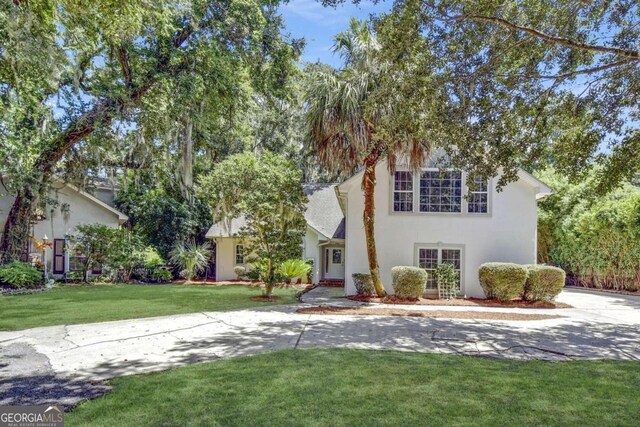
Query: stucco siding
x=508, y=233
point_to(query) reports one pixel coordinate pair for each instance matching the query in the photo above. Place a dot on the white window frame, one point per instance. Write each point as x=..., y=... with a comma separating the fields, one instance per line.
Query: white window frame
x=439, y=247
x=235, y=258
x=464, y=212
x=412, y=192
x=462, y=189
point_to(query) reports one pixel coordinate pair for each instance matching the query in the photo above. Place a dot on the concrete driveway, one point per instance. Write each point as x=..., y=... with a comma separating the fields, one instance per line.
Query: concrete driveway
x=64, y=364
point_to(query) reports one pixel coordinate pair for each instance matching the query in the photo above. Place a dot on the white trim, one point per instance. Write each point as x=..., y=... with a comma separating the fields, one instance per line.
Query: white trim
x=440, y=246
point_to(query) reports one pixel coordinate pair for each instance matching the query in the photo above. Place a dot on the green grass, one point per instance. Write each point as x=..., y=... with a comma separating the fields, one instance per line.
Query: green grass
x=85, y=304
x=372, y=388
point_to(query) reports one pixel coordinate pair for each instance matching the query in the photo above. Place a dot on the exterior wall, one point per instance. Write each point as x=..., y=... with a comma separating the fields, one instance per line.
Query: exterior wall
x=226, y=258
x=311, y=251
x=507, y=233
x=56, y=225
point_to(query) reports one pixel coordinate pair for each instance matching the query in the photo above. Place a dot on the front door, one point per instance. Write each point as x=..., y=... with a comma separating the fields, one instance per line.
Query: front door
x=334, y=263
x=211, y=269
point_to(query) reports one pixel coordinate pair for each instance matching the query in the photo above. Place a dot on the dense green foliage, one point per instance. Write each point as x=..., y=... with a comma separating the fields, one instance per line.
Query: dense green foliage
x=408, y=282
x=89, y=86
x=266, y=191
x=342, y=387
x=593, y=237
x=544, y=282
x=161, y=215
x=18, y=274
x=118, y=251
x=363, y=284
x=67, y=305
x=509, y=84
x=502, y=280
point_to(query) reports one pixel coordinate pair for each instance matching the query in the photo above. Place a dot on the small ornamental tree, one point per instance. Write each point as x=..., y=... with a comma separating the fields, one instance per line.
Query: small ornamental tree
x=267, y=192
x=93, y=242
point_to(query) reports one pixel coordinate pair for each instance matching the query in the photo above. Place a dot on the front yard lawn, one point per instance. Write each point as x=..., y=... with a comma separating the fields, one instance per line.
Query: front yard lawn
x=333, y=387
x=86, y=304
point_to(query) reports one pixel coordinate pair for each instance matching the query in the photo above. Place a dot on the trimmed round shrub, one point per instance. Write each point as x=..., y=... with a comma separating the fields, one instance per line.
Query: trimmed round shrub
x=20, y=275
x=240, y=271
x=363, y=284
x=502, y=280
x=544, y=282
x=408, y=282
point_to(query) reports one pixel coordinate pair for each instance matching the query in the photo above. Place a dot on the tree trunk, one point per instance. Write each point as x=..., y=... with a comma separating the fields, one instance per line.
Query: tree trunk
x=368, y=184
x=186, y=180
x=16, y=228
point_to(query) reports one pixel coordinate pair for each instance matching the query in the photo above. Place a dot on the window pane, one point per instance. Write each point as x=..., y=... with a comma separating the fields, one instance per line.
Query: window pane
x=337, y=256
x=441, y=191
x=403, y=192
x=428, y=259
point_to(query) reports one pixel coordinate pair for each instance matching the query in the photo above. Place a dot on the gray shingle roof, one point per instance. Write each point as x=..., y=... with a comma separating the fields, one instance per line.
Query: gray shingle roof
x=323, y=214
x=323, y=210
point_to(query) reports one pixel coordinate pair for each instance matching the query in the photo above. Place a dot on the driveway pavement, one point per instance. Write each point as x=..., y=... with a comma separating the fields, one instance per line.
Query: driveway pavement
x=60, y=364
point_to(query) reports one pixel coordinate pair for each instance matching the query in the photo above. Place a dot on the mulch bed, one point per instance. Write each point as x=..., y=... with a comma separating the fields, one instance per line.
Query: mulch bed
x=262, y=298
x=437, y=314
x=468, y=302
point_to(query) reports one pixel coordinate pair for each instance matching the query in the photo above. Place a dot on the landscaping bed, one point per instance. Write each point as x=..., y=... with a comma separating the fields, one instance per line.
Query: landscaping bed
x=469, y=302
x=436, y=314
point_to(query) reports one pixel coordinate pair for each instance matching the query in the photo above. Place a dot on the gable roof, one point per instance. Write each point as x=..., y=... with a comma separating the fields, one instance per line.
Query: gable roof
x=323, y=215
x=323, y=212
x=122, y=218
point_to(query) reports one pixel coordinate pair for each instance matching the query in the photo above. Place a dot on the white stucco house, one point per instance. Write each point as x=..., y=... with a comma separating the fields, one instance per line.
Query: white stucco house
x=422, y=219
x=323, y=241
x=68, y=206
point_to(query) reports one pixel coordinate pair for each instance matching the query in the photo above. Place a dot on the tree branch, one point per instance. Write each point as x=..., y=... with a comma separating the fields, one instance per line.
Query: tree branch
x=630, y=54
x=123, y=58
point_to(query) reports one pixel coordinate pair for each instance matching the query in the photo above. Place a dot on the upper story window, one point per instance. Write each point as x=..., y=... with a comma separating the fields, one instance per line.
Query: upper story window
x=239, y=254
x=441, y=191
x=479, y=196
x=403, y=191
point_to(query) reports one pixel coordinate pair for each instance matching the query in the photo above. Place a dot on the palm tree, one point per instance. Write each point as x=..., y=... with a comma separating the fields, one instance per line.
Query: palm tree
x=190, y=257
x=342, y=122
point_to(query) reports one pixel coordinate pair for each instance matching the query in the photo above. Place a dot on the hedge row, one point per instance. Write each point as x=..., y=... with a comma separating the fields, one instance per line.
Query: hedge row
x=506, y=281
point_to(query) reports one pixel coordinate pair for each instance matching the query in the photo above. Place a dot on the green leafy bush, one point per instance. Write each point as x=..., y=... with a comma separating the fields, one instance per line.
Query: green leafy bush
x=20, y=275
x=408, y=282
x=191, y=257
x=293, y=268
x=161, y=275
x=240, y=271
x=447, y=280
x=363, y=284
x=502, y=280
x=544, y=282
x=151, y=258
x=593, y=237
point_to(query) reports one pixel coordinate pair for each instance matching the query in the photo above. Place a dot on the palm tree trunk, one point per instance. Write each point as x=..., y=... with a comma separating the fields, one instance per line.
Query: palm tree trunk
x=368, y=184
